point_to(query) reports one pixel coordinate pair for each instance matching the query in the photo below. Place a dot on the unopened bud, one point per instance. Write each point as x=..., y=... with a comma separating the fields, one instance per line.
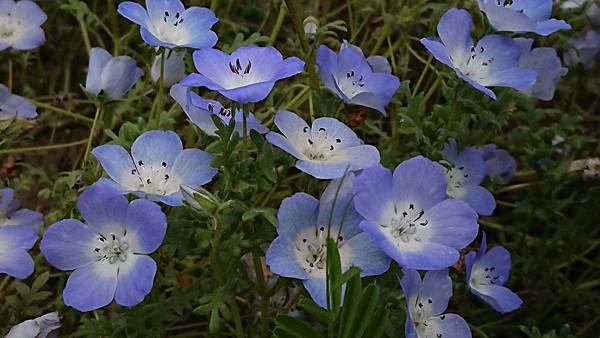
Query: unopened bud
x=311, y=24
x=201, y=200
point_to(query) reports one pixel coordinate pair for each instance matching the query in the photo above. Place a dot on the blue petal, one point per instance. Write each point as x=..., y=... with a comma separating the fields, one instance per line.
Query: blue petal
x=419, y=180
x=281, y=142
x=336, y=130
x=411, y=284
x=507, y=19
x=448, y=326
x=547, y=64
x=379, y=64
x=499, y=258
x=289, y=67
x=317, y=288
x=499, y=298
x=69, y=244
x=118, y=164
x=296, y=214
x=249, y=94
x=98, y=60
x=135, y=279
x=192, y=167
x=14, y=243
x=194, y=107
x=409, y=327
x=104, y=209
x=344, y=210
x=478, y=197
x=438, y=51
x=146, y=226
x=547, y=27
x=212, y=64
x=471, y=159
x=366, y=255
x=327, y=62
x=454, y=30
x=437, y=287
x=323, y=170
x=373, y=193
x=29, y=11
x=134, y=12
x=30, y=37
x=517, y=78
x=281, y=259
x=26, y=218
x=152, y=40
x=292, y=126
x=452, y=223
x=476, y=85
x=157, y=8
x=7, y=196
x=198, y=21
x=120, y=74
x=92, y=286
x=156, y=146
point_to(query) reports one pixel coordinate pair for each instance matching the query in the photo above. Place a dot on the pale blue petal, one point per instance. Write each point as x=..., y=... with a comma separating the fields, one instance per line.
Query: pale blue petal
x=156, y=146
x=324, y=170
x=478, y=197
x=98, y=60
x=296, y=214
x=135, y=279
x=26, y=218
x=120, y=74
x=283, y=143
x=29, y=11
x=419, y=180
x=317, y=288
x=327, y=62
x=69, y=244
x=281, y=259
x=499, y=298
x=454, y=30
x=14, y=243
x=104, y=209
x=146, y=226
x=134, y=12
x=367, y=256
x=30, y=37
x=192, y=167
x=436, y=289
x=373, y=193
x=118, y=164
x=448, y=326
x=438, y=51
x=92, y=286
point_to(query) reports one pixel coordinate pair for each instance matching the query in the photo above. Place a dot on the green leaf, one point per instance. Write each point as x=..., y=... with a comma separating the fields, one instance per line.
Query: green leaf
x=379, y=323
x=368, y=302
x=296, y=327
x=351, y=302
x=334, y=272
x=40, y=281
x=315, y=310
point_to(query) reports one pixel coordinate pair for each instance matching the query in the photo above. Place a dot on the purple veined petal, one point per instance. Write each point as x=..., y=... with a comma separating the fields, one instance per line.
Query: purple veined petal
x=499, y=298
x=146, y=226
x=134, y=12
x=26, y=218
x=280, y=141
x=478, y=197
x=448, y=326
x=327, y=62
x=366, y=255
x=282, y=260
x=30, y=37
x=192, y=168
x=98, y=60
x=135, y=279
x=296, y=214
x=454, y=30
x=452, y=223
x=373, y=193
x=317, y=288
x=69, y=244
x=157, y=9
x=155, y=147
x=119, y=75
x=435, y=292
x=29, y=11
x=14, y=243
x=419, y=180
x=92, y=286
x=104, y=209
x=118, y=164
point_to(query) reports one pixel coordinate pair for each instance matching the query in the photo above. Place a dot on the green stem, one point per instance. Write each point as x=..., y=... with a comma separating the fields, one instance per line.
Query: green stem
x=237, y=321
x=263, y=289
x=84, y=34
x=214, y=250
x=278, y=23
x=10, y=73
x=63, y=112
x=43, y=148
x=515, y=187
x=158, y=107
x=4, y=282
x=88, y=148
x=214, y=4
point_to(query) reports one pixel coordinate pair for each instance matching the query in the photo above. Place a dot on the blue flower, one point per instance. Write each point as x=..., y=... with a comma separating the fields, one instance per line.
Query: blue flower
x=467, y=170
x=200, y=110
x=500, y=166
x=426, y=301
x=486, y=275
x=585, y=49
x=168, y=24
x=41, y=327
x=325, y=150
x=174, y=68
x=378, y=63
x=303, y=225
x=20, y=25
x=15, y=106
x=522, y=16
x=157, y=167
x=410, y=217
x=111, y=75
x=109, y=252
x=546, y=63
x=493, y=61
x=354, y=80
x=15, y=241
x=245, y=76
x=11, y=215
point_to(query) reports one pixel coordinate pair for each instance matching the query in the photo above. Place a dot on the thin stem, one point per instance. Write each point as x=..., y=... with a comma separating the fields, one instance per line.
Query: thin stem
x=237, y=321
x=88, y=148
x=10, y=73
x=158, y=107
x=43, y=148
x=63, y=112
x=214, y=4
x=84, y=34
x=263, y=289
x=4, y=282
x=278, y=23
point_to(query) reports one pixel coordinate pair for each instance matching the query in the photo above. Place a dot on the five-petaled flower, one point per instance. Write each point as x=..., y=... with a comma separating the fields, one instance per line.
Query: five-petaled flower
x=522, y=16
x=10, y=214
x=245, y=76
x=467, y=170
x=493, y=61
x=546, y=63
x=20, y=25
x=325, y=150
x=200, y=112
x=157, y=167
x=304, y=223
x=500, y=166
x=426, y=300
x=486, y=275
x=354, y=80
x=15, y=106
x=111, y=75
x=109, y=252
x=410, y=217
x=167, y=23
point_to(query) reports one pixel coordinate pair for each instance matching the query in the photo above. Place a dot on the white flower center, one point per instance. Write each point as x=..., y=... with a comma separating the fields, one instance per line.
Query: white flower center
x=170, y=28
x=111, y=248
x=456, y=179
x=311, y=250
x=351, y=84
x=9, y=25
x=154, y=179
x=319, y=146
x=404, y=223
x=477, y=65
x=484, y=275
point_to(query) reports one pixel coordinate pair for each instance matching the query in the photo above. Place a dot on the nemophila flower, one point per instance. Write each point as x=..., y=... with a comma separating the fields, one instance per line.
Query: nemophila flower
x=467, y=170
x=157, y=167
x=174, y=68
x=109, y=252
x=15, y=106
x=200, y=112
x=590, y=168
x=585, y=49
x=15, y=241
x=168, y=24
x=378, y=63
x=245, y=76
x=492, y=62
x=426, y=300
x=11, y=215
x=522, y=16
x=350, y=76
x=546, y=63
x=326, y=149
x=300, y=252
x=410, y=217
x=500, y=166
x=111, y=75
x=20, y=23
x=486, y=275
x=40, y=327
